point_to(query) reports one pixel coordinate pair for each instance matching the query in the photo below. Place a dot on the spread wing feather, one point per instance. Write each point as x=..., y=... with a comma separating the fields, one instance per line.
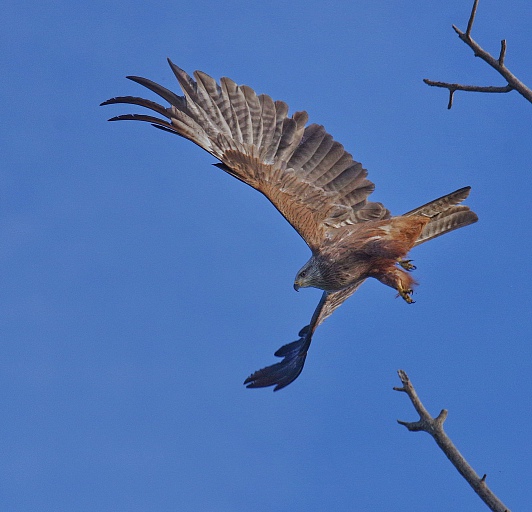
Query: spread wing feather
x=309, y=177
x=268, y=116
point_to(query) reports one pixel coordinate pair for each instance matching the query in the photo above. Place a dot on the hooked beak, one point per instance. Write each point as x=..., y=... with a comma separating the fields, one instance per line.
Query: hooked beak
x=296, y=286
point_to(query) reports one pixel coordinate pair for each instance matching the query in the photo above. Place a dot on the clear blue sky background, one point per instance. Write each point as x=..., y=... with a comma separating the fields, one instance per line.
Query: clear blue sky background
x=140, y=285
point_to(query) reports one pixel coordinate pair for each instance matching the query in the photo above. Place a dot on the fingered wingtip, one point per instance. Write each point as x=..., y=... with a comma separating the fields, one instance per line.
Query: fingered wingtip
x=175, y=67
x=114, y=101
x=255, y=381
x=283, y=373
x=140, y=80
x=467, y=190
x=123, y=117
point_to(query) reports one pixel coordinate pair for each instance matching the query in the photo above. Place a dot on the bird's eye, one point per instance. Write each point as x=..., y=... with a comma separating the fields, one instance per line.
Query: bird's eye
x=303, y=273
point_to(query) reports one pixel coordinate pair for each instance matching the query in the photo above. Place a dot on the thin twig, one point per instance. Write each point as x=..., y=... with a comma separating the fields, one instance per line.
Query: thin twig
x=472, y=18
x=434, y=427
x=513, y=83
x=503, y=53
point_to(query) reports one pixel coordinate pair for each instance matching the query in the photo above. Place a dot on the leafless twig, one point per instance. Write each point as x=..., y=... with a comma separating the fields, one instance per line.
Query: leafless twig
x=513, y=83
x=434, y=427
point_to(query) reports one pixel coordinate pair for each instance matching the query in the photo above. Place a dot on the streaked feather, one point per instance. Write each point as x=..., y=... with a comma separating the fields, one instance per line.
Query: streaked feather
x=441, y=204
x=321, y=152
x=310, y=141
x=445, y=213
x=254, y=109
x=453, y=218
x=163, y=92
x=269, y=121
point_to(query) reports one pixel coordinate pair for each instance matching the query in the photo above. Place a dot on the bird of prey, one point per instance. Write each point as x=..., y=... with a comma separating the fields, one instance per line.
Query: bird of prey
x=314, y=183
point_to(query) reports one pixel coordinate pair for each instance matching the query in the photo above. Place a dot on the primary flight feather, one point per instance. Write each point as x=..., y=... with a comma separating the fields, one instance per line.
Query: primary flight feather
x=315, y=184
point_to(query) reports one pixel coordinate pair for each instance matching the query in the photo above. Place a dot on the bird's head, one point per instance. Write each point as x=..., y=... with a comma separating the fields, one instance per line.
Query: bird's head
x=308, y=275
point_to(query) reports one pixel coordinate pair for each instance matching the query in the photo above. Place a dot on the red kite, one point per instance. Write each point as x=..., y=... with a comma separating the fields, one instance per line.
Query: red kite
x=315, y=184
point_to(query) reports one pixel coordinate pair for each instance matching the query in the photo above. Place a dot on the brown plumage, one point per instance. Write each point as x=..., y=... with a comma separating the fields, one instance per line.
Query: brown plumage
x=315, y=184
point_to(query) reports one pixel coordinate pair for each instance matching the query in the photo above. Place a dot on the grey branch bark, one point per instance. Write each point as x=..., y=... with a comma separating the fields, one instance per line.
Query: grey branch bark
x=513, y=83
x=434, y=427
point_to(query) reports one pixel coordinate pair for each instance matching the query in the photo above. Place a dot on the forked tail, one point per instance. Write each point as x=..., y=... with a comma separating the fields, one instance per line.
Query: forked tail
x=446, y=214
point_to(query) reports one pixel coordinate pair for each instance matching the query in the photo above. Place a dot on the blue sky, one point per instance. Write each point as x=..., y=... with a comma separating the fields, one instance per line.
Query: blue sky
x=140, y=285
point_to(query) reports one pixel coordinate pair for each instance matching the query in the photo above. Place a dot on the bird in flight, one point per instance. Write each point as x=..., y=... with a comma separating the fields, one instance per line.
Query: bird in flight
x=314, y=183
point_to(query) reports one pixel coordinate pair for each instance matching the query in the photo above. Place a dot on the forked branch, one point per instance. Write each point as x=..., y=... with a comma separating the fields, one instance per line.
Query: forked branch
x=513, y=83
x=434, y=427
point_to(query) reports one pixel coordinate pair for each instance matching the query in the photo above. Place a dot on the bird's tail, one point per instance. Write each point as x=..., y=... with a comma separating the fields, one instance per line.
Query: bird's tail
x=446, y=214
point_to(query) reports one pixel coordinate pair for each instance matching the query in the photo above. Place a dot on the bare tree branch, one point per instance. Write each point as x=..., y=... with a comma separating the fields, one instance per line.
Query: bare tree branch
x=472, y=88
x=513, y=83
x=434, y=427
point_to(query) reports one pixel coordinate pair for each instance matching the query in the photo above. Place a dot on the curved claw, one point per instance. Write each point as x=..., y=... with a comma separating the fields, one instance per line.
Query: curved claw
x=406, y=295
x=407, y=265
x=283, y=373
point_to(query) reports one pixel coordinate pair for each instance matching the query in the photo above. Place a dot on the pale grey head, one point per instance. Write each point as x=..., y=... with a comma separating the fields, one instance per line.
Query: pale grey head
x=309, y=275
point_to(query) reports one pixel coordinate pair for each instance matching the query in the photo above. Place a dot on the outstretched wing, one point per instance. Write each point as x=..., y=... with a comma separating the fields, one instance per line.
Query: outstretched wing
x=309, y=177
x=294, y=354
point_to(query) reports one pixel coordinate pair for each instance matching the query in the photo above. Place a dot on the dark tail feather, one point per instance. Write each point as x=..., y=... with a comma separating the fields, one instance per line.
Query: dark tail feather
x=288, y=370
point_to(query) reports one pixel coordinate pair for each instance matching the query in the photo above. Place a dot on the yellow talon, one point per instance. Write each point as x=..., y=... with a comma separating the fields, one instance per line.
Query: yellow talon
x=405, y=294
x=407, y=265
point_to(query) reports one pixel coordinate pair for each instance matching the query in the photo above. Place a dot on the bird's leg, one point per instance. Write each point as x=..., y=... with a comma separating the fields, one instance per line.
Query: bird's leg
x=396, y=278
x=406, y=264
